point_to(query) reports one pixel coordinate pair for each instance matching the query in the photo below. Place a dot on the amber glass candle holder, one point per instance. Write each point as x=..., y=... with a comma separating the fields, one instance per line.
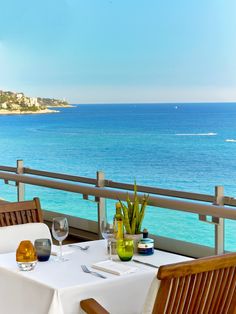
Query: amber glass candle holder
x=26, y=257
x=125, y=249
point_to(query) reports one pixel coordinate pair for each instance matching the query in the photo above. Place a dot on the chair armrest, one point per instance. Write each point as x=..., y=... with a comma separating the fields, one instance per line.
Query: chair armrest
x=91, y=306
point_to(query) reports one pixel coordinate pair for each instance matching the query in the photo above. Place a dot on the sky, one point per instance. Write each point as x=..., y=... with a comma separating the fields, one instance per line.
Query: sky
x=119, y=51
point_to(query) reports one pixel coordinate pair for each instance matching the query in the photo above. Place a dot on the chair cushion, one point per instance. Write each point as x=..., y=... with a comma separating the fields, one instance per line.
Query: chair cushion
x=11, y=236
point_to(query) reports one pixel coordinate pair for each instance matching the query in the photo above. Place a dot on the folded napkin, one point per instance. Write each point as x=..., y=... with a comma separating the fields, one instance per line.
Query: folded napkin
x=65, y=250
x=115, y=268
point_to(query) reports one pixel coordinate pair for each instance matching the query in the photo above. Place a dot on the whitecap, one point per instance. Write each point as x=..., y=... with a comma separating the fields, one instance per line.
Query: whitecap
x=230, y=140
x=196, y=134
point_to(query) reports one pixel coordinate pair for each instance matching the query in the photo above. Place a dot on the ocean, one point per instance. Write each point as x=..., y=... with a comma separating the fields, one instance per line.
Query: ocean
x=189, y=147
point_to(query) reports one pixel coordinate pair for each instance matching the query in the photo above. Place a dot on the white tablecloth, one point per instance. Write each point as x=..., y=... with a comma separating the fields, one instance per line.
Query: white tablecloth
x=57, y=288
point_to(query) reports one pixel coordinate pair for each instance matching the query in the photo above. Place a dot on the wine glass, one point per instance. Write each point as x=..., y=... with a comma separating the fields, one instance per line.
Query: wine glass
x=107, y=231
x=60, y=230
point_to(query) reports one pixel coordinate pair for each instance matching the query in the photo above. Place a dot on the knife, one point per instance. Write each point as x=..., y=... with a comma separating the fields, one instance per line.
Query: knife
x=143, y=263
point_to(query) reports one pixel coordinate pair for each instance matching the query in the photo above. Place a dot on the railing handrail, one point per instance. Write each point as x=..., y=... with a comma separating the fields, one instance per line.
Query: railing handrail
x=230, y=201
x=159, y=191
x=103, y=192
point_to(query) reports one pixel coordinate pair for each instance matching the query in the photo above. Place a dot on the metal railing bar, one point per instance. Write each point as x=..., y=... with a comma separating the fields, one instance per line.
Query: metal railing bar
x=118, y=185
x=159, y=191
x=185, y=206
x=230, y=201
x=125, y=186
x=194, y=207
x=9, y=169
x=61, y=176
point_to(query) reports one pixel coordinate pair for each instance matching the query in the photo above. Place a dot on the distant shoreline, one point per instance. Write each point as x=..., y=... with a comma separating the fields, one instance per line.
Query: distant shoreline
x=15, y=112
x=62, y=106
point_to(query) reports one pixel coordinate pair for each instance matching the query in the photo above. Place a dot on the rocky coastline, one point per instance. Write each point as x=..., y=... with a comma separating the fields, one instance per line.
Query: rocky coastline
x=13, y=112
x=18, y=103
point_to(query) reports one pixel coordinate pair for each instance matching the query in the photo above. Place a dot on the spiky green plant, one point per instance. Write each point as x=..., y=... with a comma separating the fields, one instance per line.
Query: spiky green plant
x=133, y=212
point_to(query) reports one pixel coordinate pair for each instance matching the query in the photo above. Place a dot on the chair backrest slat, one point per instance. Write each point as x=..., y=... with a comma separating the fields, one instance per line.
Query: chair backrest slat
x=184, y=295
x=200, y=297
x=230, y=300
x=206, y=285
x=20, y=213
x=213, y=282
x=23, y=216
x=189, y=295
x=18, y=218
x=195, y=292
x=219, y=301
x=172, y=295
x=179, y=294
x=8, y=219
x=217, y=291
x=13, y=218
x=2, y=223
x=229, y=288
x=34, y=217
x=29, y=215
x=205, y=292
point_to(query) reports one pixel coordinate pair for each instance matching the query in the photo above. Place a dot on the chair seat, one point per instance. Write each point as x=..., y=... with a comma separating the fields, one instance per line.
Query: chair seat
x=11, y=236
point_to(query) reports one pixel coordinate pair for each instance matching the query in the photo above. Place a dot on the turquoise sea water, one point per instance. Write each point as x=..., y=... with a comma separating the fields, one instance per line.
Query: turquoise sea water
x=175, y=146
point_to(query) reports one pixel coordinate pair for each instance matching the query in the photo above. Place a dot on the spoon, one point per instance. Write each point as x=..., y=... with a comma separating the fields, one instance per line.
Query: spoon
x=82, y=248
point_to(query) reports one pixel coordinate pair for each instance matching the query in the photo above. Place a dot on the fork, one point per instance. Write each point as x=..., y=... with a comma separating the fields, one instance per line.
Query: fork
x=86, y=270
x=82, y=248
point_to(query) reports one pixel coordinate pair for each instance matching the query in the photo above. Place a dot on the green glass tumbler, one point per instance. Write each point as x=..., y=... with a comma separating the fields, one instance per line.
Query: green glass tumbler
x=125, y=249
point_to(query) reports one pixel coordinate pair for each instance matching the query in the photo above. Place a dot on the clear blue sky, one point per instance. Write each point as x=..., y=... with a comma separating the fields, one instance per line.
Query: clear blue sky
x=91, y=51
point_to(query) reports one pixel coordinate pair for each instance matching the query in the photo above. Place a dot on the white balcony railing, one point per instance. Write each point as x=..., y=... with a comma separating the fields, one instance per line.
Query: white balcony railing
x=217, y=206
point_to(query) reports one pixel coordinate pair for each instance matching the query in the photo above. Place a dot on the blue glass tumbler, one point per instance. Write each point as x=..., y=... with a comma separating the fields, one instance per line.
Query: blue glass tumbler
x=43, y=249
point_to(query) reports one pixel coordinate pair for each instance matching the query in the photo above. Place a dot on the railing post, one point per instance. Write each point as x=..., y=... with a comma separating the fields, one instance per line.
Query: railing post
x=20, y=186
x=101, y=201
x=219, y=222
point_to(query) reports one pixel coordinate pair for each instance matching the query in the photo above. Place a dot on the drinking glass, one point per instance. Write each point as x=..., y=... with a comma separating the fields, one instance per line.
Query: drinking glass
x=125, y=249
x=107, y=231
x=43, y=249
x=60, y=230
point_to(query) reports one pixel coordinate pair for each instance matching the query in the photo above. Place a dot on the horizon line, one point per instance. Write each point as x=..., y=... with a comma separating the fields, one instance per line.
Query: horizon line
x=155, y=103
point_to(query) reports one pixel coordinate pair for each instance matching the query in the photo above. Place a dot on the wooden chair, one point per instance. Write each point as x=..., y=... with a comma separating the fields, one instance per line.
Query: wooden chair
x=206, y=285
x=20, y=213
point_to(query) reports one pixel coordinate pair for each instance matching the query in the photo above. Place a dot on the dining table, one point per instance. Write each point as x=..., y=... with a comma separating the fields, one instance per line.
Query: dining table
x=54, y=287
